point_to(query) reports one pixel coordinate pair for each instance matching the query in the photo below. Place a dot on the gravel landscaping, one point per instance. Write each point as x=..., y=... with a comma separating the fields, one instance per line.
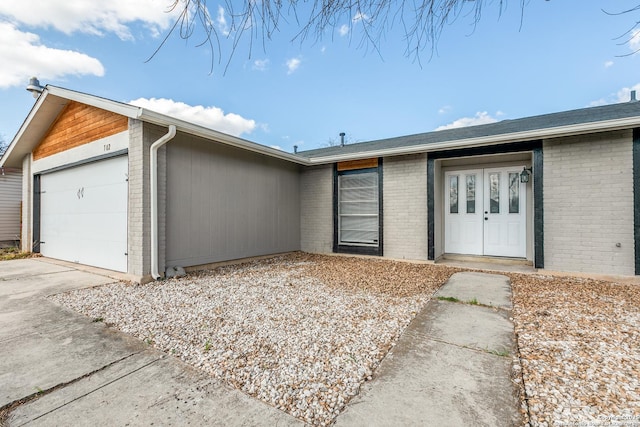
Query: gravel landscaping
x=300, y=332
x=579, y=344
x=303, y=332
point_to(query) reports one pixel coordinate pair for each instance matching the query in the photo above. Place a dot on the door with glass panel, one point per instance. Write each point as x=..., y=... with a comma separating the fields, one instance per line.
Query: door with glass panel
x=485, y=212
x=504, y=213
x=463, y=212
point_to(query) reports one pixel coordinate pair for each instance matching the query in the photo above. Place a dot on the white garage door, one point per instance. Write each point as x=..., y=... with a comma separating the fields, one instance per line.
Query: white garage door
x=83, y=214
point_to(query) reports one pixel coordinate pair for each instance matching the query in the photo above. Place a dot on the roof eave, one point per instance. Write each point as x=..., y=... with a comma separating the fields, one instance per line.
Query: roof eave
x=127, y=110
x=9, y=158
x=207, y=133
x=555, y=132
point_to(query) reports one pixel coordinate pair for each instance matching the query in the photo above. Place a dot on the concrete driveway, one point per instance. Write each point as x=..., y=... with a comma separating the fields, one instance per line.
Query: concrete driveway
x=69, y=370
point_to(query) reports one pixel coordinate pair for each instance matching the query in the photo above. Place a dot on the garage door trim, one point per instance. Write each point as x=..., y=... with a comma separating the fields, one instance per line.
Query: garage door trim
x=93, y=159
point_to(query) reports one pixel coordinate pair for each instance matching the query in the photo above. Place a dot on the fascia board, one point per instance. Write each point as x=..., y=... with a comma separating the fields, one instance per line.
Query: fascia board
x=50, y=94
x=562, y=131
x=25, y=125
x=201, y=131
x=127, y=110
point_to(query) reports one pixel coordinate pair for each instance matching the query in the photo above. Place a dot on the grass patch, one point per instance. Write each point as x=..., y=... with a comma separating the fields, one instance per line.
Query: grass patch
x=501, y=353
x=7, y=254
x=450, y=299
x=473, y=301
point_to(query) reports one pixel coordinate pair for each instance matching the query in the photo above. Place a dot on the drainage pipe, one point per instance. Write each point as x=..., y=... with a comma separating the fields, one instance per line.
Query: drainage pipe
x=153, y=151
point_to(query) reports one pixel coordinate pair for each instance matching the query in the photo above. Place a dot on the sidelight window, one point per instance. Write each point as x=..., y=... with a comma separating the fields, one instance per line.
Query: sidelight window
x=514, y=192
x=471, y=194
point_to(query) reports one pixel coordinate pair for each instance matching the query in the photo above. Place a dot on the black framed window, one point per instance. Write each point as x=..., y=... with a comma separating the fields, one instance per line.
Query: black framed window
x=358, y=208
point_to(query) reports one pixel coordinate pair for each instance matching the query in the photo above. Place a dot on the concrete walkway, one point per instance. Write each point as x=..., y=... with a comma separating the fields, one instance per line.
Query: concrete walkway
x=90, y=375
x=452, y=365
x=450, y=368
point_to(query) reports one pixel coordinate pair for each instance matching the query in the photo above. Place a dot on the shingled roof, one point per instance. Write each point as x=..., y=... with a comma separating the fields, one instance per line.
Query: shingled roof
x=584, y=116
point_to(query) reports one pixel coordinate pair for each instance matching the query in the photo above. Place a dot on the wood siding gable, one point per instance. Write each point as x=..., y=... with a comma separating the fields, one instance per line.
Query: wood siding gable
x=79, y=124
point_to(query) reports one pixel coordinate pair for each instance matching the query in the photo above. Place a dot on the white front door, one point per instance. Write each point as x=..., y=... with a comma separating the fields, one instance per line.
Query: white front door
x=504, y=213
x=485, y=212
x=463, y=212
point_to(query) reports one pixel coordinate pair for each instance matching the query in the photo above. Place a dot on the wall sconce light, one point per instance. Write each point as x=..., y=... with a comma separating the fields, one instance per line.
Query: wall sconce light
x=524, y=175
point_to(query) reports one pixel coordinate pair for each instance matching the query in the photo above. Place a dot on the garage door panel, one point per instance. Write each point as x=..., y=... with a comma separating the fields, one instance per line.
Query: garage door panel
x=84, y=214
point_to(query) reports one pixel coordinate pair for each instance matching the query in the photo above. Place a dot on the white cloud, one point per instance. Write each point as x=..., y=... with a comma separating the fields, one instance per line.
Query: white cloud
x=91, y=17
x=481, y=118
x=211, y=117
x=293, y=64
x=360, y=17
x=444, y=109
x=623, y=95
x=344, y=28
x=634, y=41
x=260, y=64
x=277, y=147
x=222, y=21
x=22, y=56
x=608, y=64
x=598, y=102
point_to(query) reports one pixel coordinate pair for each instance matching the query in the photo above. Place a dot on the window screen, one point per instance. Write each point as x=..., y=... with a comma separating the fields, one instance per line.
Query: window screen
x=358, y=209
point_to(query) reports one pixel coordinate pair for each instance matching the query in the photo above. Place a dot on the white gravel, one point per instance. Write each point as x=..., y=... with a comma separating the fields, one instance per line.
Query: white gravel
x=270, y=329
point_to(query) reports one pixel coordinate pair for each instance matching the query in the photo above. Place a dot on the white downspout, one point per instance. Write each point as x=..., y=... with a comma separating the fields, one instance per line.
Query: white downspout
x=153, y=151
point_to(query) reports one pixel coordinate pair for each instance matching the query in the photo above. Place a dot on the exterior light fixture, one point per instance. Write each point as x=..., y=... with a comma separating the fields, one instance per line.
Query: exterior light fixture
x=34, y=87
x=524, y=175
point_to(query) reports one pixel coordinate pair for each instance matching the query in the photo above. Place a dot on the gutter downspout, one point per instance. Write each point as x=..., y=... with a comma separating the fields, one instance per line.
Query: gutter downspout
x=153, y=151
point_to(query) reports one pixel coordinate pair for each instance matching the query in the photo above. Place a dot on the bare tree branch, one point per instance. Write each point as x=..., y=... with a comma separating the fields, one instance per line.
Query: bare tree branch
x=3, y=146
x=630, y=34
x=422, y=21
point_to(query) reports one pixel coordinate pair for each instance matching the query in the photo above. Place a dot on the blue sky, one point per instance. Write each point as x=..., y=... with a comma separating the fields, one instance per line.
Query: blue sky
x=289, y=93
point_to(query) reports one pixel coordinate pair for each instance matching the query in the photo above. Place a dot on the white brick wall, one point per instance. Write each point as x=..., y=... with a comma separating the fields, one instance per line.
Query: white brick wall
x=588, y=204
x=316, y=209
x=405, y=207
x=26, y=235
x=138, y=220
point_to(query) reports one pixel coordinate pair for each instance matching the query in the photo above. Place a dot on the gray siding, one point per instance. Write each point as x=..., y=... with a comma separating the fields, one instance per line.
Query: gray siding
x=588, y=204
x=223, y=203
x=10, y=198
x=316, y=195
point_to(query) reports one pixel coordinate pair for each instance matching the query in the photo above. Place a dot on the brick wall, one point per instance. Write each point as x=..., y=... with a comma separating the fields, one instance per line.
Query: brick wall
x=405, y=207
x=138, y=220
x=316, y=209
x=26, y=235
x=588, y=204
